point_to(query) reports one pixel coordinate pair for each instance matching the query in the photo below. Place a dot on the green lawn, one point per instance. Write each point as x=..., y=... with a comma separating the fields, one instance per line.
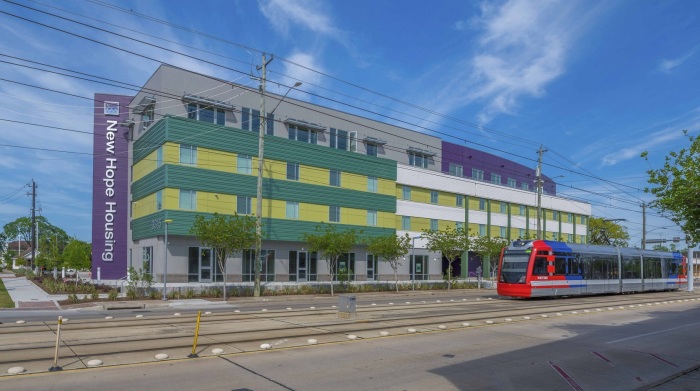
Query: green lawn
x=5, y=300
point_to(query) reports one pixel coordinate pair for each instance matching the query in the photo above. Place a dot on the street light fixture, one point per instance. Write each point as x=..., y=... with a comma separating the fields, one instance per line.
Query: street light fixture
x=261, y=162
x=165, y=269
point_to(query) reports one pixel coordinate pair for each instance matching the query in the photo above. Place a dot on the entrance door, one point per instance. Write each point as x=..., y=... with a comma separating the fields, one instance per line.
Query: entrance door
x=371, y=267
x=302, y=265
x=205, y=265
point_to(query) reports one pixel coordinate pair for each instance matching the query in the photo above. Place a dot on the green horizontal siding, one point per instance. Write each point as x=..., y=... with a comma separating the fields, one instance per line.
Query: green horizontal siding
x=201, y=134
x=192, y=178
x=273, y=229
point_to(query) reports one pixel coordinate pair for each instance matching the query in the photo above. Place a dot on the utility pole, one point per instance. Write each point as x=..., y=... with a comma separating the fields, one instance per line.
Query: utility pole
x=33, y=229
x=540, y=182
x=257, y=264
x=644, y=226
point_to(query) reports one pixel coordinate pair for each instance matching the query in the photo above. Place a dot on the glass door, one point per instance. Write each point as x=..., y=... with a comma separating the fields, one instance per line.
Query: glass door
x=302, y=265
x=371, y=267
x=205, y=265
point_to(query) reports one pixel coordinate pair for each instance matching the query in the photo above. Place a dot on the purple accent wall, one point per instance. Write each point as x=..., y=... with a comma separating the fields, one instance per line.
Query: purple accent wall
x=110, y=186
x=470, y=158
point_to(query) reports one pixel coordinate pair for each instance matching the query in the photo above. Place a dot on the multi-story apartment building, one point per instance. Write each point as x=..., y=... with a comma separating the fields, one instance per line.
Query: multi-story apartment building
x=187, y=144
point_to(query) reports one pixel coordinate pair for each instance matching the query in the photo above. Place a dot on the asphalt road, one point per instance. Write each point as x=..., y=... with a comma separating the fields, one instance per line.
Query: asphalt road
x=621, y=349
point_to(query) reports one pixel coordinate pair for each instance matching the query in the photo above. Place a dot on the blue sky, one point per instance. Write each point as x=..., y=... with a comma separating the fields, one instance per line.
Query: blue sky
x=595, y=82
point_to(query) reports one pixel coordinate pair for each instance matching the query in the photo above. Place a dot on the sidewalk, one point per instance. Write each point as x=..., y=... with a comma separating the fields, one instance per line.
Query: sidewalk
x=27, y=295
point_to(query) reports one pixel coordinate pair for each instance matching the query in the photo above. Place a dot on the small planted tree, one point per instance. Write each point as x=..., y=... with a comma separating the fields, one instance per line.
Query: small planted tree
x=451, y=243
x=77, y=255
x=489, y=249
x=332, y=244
x=226, y=235
x=391, y=249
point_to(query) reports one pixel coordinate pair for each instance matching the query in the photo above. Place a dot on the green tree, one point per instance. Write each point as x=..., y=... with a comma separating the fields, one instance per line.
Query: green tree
x=391, y=249
x=676, y=187
x=49, y=235
x=608, y=233
x=489, y=249
x=226, y=235
x=77, y=255
x=332, y=244
x=450, y=242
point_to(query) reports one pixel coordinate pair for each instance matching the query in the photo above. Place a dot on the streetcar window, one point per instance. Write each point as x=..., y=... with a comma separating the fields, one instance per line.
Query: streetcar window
x=574, y=267
x=560, y=265
x=631, y=267
x=540, y=267
x=514, y=267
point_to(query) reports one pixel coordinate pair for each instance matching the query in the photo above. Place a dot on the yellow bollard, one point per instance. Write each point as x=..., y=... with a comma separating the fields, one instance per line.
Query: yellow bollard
x=55, y=366
x=196, y=334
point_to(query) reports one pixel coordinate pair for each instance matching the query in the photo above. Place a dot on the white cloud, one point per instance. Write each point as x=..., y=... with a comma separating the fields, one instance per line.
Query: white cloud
x=305, y=13
x=666, y=66
x=300, y=73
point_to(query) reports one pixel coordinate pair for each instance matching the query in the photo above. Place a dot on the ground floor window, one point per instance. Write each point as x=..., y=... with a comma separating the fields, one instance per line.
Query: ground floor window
x=371, y=267
x=267, y=272
x=302, y=266
x=419, y=268
x=147, y=258
x=202, y=265
x=345, y=268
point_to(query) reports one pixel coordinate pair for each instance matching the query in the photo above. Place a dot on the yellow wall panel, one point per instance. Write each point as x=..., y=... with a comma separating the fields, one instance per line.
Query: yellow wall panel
x=386, y=186
x=419, y=223
x=354, y=181
x=216, y=160
x=216, y=203
x=144, y=206
x=144, y=166
x=316, y=176
x=171, y=153
x=419, y=194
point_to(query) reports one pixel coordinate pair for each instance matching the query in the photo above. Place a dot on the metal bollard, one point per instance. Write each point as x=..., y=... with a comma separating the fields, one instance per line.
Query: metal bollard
x=55, y=366
x=196, y=334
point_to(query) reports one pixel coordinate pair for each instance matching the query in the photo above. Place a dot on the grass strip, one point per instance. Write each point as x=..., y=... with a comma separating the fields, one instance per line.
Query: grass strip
x=5, y=299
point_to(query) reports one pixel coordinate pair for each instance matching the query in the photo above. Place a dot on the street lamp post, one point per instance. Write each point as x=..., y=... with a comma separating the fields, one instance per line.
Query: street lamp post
x=165, y=268
x=261, y=160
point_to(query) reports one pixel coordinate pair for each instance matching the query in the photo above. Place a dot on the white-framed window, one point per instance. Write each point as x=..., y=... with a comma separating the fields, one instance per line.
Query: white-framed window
x=206, y=114
x=406, y=192
x=482, y=204
x=569, y=217
x=418, y=160
x=148, y=116
x=512, y=183
x=188, y=199
x=292, y=210
x=434, y=196
x=267, y=263
x=159, y=156
x=343, y=139
x=504, y=207
x=372, y=184
x=372, y=218
x=504, y=233
x=482, y=229
x=459, y=225
x=244, y=164
x=583, y=219
x=406, y=223
x=244, y=205
x=334, y=179
x=459, y=200
x=250, y=120
x=302, y=134
x=523, y=210
x=570, y=238
x=521, y=233
x=293, y=171
x=334, y=214
x=372, y=149
x=525, y=186
x=456, y=170
x=496, y=178
x=433, y=224
x=555, y=215
x=477, y=174
x=188, y=154
x=159, y=200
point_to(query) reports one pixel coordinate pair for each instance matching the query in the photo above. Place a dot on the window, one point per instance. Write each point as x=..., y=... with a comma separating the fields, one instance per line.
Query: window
x=292, y=210
x=406, y=223
x=372, y=218
x=482, y=229
x=188, y=154
x=456, y=170
x=433, y=225
x=418, y=160
x=342, y=139
x=570, y=238
x=345, y=267
x=433, y=196
x=482, y=204
x=372, y=149
x=371, y=267
x=504, y=233
x=245, y=164
x=555, y=215
x=477, y=174
x=147, y=260
x=525, y=186
x=206, y=114
x=459, y=225
x=496, y=178
x=159, y=157
x=148, y=116
x=334, y=214
x=302, y=134
x=159, y=200
x=250, y=120
x=188, y=199
x=372, y=184
x=512, y=183
x=504, y=207
x=267, y=271
x=244, y=205
x=419, y=267
x=523, y=210
x=407, y=192
x=583, y=219
x=459, y=200
x=293, y=171
x=521, y=233
x=335, y=178
x=569, y=218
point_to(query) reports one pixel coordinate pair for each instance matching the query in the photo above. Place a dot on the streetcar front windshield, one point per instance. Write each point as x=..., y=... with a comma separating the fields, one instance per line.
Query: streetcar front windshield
x=514, y=267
